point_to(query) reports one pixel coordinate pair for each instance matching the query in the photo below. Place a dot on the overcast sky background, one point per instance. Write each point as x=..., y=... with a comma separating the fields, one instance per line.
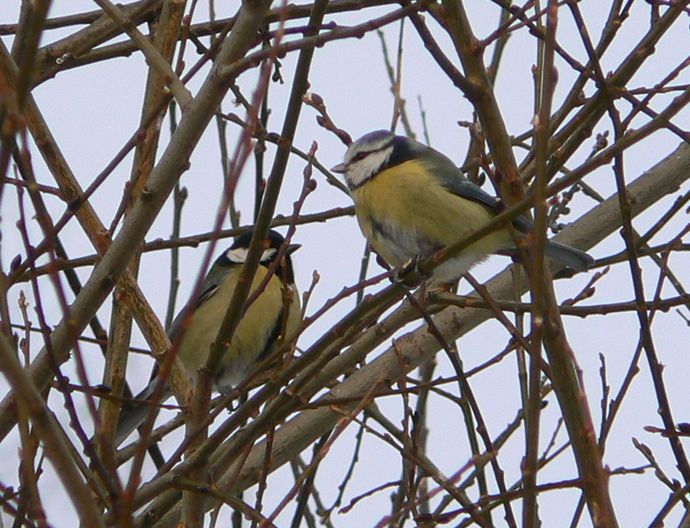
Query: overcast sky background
x=93, y=110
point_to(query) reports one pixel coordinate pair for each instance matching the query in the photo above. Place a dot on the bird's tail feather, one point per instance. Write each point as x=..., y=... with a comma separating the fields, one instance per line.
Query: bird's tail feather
x=568, y=256
x=134, y=414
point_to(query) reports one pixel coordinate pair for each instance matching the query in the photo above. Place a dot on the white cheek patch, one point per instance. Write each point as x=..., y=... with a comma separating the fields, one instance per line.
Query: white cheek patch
x=360, y=171
x=237, y=255
x=268, y=254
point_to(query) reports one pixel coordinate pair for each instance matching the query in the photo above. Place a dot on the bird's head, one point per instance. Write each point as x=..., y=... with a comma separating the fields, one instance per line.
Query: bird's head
x=237, y=253
x=366, y=157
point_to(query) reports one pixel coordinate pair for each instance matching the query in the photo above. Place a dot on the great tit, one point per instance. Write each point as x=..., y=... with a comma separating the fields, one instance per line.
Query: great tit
x=273, y=316
x=411, y=200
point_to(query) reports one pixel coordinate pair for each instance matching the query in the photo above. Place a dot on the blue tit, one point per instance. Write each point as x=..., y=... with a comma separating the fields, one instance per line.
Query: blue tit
x=273, y=316
x=411, y=200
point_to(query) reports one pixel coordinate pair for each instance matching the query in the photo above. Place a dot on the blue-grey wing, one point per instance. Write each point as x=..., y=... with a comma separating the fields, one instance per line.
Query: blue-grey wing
x=455, y=182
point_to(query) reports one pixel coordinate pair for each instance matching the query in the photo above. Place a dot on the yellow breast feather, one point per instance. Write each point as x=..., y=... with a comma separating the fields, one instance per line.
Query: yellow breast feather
x=408, y=202
x=253, y=332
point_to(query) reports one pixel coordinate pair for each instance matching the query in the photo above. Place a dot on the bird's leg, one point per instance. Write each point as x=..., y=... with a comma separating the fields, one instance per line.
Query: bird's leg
x=231, y=396
x=422, y=293
x=398, y=274
x=408, y=267
x=443, y=287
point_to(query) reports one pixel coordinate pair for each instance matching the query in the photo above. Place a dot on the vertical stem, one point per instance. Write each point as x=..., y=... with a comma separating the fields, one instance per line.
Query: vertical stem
x=546, y=86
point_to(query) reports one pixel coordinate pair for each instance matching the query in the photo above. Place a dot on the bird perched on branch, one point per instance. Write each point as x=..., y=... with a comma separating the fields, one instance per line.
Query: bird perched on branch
x=411, y=201
x=272, y=317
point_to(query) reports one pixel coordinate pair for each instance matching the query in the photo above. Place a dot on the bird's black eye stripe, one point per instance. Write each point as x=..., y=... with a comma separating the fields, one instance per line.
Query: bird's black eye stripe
x=364, y=153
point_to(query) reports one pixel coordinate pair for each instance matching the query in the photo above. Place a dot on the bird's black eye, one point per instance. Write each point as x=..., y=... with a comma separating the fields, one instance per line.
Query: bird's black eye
x=360, y=156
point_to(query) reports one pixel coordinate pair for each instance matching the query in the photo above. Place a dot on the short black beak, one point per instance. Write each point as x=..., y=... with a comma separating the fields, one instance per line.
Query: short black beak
x=292, y=248
x=339, y=168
